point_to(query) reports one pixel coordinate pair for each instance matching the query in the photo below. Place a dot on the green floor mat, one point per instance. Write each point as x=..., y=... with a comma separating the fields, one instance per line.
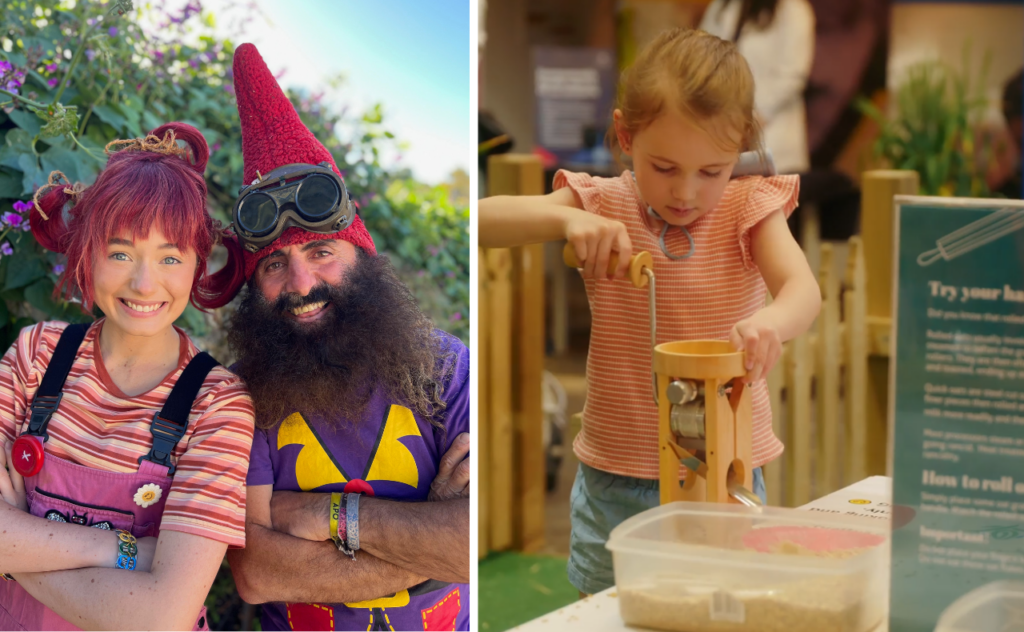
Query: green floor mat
x=516, y=588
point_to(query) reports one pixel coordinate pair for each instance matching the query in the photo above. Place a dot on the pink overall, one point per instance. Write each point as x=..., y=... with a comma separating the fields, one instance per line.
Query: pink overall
x=112, y=506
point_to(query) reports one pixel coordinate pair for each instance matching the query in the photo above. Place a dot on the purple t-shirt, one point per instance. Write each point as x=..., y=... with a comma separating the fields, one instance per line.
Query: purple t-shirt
x=397, y=454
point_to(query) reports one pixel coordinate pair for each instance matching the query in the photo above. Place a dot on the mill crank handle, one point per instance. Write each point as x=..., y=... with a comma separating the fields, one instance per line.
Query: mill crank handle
x=637, y=263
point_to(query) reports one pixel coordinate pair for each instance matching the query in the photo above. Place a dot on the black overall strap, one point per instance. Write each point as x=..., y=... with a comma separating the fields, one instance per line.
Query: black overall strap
x=170, y=423
x=51, y=389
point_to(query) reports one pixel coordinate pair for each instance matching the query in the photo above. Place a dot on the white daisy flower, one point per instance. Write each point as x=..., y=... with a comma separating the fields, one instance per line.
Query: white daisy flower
x=148, y=494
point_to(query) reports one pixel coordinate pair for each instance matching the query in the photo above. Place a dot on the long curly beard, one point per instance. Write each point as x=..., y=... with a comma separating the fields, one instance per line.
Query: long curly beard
x=374, y=336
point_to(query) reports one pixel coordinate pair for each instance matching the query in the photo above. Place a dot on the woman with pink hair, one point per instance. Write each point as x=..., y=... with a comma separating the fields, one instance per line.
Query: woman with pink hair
x=126, y=448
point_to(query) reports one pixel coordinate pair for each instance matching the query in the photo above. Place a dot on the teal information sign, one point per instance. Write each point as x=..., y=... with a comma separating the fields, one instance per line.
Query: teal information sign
x=958, y=411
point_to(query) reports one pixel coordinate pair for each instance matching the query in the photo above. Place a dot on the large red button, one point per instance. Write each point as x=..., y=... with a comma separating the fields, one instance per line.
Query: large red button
x=27, y=455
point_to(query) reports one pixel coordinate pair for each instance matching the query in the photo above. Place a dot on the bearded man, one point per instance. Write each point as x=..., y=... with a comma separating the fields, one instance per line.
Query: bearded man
x=362, y=407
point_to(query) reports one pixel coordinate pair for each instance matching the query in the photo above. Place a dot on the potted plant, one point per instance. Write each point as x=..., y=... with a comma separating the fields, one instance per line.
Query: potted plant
x=933, y=128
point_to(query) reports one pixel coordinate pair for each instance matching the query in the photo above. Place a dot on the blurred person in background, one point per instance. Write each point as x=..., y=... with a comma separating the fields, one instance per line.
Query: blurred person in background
x=1013, y=111
x=777, y=39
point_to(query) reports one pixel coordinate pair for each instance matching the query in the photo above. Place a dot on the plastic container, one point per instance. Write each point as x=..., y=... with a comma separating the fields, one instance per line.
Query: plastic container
x=994, y=607
x=703, y=567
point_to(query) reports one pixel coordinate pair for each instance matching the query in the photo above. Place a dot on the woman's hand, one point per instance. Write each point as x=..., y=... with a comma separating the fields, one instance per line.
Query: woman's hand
x=761, y=344
x=12, y=485
x=594, y=239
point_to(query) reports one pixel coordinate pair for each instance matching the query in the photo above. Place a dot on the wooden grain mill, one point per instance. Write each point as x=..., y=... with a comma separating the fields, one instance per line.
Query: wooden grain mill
x=704, y=408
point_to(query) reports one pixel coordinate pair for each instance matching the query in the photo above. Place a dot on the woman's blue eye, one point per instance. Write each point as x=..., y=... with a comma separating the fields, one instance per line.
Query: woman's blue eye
x=119, y=256
x=171, y=260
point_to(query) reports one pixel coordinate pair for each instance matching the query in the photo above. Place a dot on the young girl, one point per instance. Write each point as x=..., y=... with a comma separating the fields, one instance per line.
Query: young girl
x=126, y=448
x=685, y=114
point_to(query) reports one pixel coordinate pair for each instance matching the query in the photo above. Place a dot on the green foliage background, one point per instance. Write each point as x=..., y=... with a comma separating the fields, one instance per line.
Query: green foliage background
x=75, y=75
x=101, y=76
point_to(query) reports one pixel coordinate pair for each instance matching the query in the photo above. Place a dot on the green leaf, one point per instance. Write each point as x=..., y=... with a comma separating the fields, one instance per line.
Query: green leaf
x=22, y=271
x=63, y=160
x=88, y=166
x=131, y=117
x=17, y=143
x=150, y=120
x=27, y=121
x=32, y=176
x=110, y=116
x=40, y=296
x=10, y=185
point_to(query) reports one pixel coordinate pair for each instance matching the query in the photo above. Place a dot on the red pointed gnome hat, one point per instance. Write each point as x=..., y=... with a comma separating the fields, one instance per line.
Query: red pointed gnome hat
x=274, y=136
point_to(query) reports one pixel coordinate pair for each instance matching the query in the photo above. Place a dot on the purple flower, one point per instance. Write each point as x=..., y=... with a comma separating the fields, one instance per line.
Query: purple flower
x=159, y=56
x=58, y=269
x=215, y=147
x=12, y=219
x=5, y=67
x=21, y=207
x=90, y=54
x=193, y=63
x=52, y=82
x=112, y=31
x=457, y=316
x=450, y=274
x=52, y=68
x=5, y=248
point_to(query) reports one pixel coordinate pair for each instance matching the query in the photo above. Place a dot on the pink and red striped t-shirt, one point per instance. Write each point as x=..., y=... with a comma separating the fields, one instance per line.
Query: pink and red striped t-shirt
x=98, y=426
x=698, y=298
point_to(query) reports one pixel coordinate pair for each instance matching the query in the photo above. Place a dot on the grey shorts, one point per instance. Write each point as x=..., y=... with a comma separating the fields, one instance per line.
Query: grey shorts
x=600, y=501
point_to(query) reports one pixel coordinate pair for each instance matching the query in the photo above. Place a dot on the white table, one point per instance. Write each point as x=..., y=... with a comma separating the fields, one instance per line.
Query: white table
x=600, y=612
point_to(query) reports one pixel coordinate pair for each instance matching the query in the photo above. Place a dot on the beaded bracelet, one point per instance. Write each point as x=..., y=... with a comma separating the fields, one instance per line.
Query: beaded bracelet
x=339, y=524
x=352, y=521
x=127, y=550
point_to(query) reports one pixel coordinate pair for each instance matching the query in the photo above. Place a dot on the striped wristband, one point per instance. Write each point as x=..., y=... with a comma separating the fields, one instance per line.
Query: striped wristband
x=339, y=524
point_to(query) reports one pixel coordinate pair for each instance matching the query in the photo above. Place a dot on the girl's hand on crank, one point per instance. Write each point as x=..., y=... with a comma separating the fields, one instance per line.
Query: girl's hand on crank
x=12, y=485
x=761, y=345
x=595, y=238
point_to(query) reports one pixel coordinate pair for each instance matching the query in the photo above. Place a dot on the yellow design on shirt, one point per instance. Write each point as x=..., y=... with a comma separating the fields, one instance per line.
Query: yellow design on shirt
x=313, y=467
x=398, y=600
x=393, y=461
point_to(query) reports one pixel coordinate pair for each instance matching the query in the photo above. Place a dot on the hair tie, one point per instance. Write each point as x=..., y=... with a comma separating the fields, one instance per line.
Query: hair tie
x=74, y=191
x=168, y=146
x=221, y=232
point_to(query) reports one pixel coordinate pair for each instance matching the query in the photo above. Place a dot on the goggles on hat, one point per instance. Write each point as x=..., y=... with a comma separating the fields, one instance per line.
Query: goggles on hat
x=311, y=197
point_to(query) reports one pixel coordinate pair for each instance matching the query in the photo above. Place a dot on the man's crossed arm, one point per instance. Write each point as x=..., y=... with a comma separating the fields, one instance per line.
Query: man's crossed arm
x=289, y=555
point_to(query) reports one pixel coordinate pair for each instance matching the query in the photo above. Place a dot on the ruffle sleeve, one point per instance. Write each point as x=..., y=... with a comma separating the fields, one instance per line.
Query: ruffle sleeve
x=767, y=196
x=586, y=188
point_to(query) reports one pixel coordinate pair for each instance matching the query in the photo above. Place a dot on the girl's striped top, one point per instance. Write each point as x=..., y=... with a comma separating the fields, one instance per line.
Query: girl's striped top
x=698, y=298
x=98, y=426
